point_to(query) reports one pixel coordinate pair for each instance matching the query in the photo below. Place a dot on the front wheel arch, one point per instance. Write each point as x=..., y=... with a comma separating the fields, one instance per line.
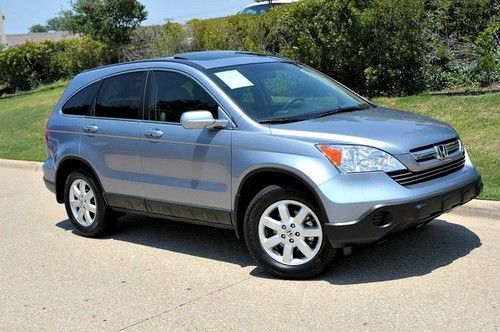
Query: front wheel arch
x=257, y=180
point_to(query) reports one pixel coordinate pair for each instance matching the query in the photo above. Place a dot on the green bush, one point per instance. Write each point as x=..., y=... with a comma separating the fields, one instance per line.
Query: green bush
x=26, y=66
x=80, y=54
x=365, y=48
x=488, y=43
x=237, y=32
x=461, y=47
x=172, y=41
x=377, y=47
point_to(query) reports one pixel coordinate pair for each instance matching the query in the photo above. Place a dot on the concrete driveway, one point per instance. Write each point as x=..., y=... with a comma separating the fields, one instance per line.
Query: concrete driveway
x=162, y=275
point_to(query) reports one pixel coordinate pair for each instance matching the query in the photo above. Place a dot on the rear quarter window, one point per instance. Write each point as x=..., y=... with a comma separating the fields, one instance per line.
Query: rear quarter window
x=81, y=103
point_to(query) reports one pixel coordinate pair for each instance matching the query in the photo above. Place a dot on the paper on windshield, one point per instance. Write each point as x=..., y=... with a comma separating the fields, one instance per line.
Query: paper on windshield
x=234, y=79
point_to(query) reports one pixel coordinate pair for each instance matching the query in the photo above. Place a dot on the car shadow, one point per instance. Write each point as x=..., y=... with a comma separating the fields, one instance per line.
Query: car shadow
x=185, y=238
x=410, y=253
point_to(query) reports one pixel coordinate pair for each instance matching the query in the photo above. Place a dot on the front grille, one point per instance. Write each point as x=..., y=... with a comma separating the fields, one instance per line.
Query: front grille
x=407, y=177
x=428, y=152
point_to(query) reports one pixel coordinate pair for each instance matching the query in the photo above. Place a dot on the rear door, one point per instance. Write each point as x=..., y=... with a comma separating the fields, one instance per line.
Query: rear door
x=186, y=171
x=110, y=139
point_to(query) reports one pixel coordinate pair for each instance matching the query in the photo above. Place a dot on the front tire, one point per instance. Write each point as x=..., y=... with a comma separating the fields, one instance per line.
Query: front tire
x=284, y=233
x=85, y=205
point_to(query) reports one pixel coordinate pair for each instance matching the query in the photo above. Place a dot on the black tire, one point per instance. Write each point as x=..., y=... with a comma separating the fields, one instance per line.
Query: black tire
x=264, y=199
x=104, y=219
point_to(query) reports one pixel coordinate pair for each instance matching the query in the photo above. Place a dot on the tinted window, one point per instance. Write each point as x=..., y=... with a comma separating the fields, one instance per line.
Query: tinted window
x=121, y=96
x=172, y=94
x=81, y=102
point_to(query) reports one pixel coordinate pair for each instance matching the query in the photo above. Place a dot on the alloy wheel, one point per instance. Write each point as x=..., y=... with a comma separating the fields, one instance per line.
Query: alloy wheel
x=82, y=202
x=290, y=232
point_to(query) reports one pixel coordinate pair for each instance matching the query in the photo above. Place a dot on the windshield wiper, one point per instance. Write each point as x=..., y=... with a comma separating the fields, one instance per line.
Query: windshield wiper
x=281, y=120
x=315, y=116
x=340, y=110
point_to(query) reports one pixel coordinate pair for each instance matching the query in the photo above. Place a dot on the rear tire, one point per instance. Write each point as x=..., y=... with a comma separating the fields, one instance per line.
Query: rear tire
x=285, y=235
x=85, y=205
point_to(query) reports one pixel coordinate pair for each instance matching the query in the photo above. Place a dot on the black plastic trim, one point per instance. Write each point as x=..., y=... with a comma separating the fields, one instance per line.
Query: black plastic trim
x=168, y=209
x=400, y=216
x=50, y=185
x=234, y=214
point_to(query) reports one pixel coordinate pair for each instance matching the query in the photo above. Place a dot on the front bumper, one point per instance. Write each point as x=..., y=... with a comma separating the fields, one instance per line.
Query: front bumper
x=383, y=220
x=365, y=207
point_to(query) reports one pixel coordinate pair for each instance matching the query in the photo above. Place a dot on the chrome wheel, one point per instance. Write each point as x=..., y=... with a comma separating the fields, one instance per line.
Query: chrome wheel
x=290, y=232
x=82, y=202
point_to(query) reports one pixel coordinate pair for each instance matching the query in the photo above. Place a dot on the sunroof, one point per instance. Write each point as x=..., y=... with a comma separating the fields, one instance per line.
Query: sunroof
x=210, y=55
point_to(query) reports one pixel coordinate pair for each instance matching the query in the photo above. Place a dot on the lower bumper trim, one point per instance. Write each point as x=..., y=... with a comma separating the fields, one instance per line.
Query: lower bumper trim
x=383, y=220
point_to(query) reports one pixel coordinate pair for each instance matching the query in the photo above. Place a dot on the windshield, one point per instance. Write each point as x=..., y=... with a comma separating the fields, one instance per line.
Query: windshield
x=284, y=91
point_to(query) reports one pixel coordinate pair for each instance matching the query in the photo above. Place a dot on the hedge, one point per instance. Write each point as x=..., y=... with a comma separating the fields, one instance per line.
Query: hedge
x=26, y=66
x=376, y=47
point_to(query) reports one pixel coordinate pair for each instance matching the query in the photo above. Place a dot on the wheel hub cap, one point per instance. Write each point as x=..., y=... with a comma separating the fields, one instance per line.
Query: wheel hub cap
x=82, y=202
x=290, y=232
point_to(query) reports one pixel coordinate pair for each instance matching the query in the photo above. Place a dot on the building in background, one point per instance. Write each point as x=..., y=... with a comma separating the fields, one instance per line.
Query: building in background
x=17, y=39
x=21, y=38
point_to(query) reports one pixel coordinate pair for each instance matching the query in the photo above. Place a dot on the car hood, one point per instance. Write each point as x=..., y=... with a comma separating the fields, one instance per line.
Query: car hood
x=394, y=131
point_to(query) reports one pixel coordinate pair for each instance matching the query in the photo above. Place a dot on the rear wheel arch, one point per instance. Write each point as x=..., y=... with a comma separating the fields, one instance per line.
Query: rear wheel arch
x=64, y=169
x=257, y=180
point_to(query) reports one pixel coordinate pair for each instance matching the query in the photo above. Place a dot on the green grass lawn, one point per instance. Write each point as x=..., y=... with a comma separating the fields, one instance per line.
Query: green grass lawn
x=22, y=123
x=477, y=119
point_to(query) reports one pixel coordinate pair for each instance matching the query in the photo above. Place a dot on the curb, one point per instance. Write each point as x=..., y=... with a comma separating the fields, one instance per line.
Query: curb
x=479, y=208
x=474, y=208
x=21, y=164
x=463, y=93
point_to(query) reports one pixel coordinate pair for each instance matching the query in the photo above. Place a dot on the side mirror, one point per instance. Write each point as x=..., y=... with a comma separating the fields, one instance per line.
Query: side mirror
x=201, y=120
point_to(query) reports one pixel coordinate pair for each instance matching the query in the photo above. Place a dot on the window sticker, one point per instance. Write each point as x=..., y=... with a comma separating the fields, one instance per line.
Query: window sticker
x=234, y=79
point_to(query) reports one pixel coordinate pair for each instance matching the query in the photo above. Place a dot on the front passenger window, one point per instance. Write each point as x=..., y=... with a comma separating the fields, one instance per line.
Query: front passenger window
x=171, y=94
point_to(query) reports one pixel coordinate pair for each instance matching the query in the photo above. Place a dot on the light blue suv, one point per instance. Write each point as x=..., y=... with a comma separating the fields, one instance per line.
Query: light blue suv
x=296, y=163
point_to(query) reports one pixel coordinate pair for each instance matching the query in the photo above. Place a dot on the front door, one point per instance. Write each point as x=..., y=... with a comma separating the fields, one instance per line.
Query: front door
x=186, y=172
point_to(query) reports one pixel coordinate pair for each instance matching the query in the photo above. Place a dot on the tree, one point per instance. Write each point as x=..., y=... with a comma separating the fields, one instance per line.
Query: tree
x=59, y=23
x=109, y=21
x=37, y=28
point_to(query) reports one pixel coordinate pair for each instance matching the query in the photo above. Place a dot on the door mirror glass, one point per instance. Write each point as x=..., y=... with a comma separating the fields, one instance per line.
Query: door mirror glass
x=201, y=120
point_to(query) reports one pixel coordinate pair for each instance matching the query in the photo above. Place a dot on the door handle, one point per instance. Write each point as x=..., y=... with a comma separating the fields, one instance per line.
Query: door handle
x=91, y=129
x=155, y=133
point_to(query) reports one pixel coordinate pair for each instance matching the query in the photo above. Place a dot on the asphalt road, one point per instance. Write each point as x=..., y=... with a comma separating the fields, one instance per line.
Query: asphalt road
x=154, y=275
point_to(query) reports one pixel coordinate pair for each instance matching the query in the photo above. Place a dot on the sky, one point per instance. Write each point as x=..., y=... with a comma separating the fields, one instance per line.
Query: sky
x=21, y=14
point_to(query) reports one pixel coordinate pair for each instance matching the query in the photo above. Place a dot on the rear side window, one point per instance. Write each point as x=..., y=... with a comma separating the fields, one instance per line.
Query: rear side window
x=81, y=102
x=121, y=96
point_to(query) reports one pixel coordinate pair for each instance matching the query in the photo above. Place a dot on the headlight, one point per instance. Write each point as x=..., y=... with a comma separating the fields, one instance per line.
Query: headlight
x=358, y=158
